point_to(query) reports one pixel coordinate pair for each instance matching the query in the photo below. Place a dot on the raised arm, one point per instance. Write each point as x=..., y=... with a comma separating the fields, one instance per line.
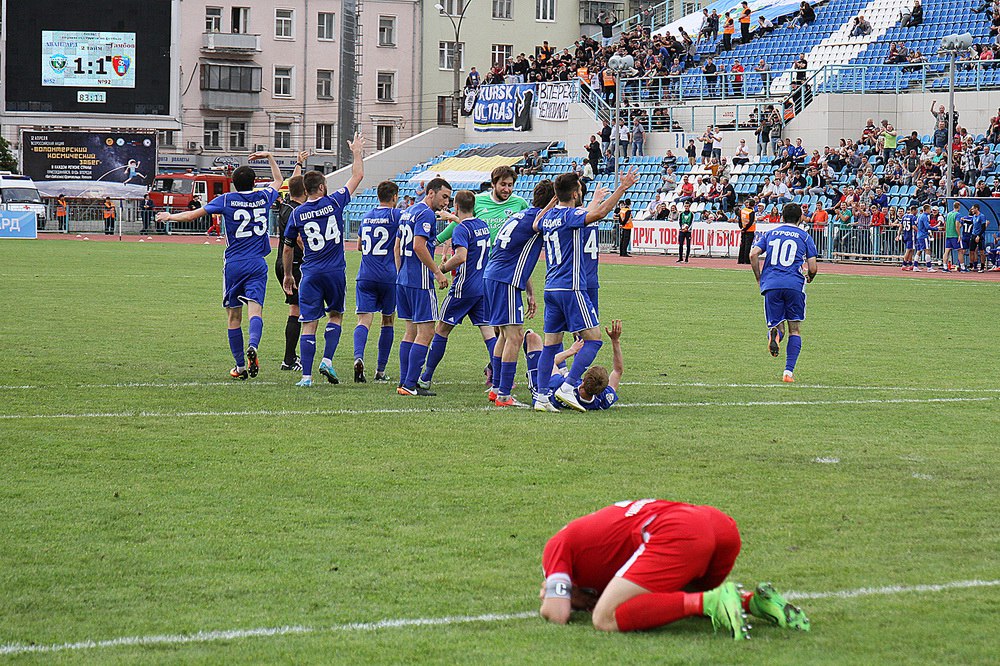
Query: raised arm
x=358, y=165
x=276, y=178
x=183, y=216
x=617, y=364
x=598, y=209
x=303, y=156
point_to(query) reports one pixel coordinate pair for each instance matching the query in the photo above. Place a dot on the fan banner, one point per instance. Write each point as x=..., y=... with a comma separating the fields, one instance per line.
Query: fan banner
x=554, y=99
x=504, y=107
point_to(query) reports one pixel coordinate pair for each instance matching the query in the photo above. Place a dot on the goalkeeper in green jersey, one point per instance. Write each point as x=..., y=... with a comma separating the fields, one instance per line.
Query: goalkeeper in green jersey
x=495, y=205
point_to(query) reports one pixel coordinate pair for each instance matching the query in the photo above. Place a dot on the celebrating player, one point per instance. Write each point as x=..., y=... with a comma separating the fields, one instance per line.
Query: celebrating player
x=494, y=206
x=244, y=269
x=376, y=282
x=568, y=307
x=977, y=240
x=907, y=232
x=320, y=221
x=598, y=390
x=470, y=241
x=515, y=252
x=640, y=565
x=293, y=327
x=786, y=248
x=416, y=301
x=922, y=240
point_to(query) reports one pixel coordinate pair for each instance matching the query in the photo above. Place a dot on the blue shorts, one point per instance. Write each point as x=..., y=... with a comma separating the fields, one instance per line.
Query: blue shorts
x=417, y=305
x=921, y=244
x=454, y=310
x=372, y=297
x=504, y=305
x=907, y=242
x=966, y=241
x=243, y=282
x=953, y=244
x=569, y=311
x=784, y=305
x=321, y=293
x=592, y=293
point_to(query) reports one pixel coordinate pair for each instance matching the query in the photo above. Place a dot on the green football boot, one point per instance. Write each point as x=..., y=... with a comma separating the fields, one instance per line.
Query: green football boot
x=725, y=608
x=768, y=605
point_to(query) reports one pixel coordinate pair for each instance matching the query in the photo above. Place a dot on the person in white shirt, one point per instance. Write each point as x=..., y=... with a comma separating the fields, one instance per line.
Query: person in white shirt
x=716, y=143
x=588, y=171
x=742, y=154
x=782, y=194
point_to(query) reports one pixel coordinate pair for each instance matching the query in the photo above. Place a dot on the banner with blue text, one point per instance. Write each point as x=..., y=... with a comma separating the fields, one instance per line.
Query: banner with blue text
x=504, y=107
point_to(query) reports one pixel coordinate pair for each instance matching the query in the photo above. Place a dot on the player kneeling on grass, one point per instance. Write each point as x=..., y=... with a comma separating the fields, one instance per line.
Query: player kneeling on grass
x=643, y=564
x=599, y=390
x=786, y=248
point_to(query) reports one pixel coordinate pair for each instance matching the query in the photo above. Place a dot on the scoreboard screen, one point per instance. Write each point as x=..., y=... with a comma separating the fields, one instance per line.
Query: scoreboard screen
x=98, y=56
x=82, y=59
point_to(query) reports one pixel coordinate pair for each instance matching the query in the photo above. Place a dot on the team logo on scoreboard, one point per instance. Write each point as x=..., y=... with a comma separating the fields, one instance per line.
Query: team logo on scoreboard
x=58, y=61
x=121, y=63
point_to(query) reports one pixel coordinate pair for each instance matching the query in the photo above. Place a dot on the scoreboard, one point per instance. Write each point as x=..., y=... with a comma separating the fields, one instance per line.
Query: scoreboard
x=98, y=56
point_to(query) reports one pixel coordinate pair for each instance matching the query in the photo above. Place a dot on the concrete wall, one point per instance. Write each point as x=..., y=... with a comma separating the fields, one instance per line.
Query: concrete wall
x=401, y=157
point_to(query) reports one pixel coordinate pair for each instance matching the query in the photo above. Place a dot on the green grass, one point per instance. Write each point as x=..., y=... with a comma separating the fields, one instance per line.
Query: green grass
x=172, y=523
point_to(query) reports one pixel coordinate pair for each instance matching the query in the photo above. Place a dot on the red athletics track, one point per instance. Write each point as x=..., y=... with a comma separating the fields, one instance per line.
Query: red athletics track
x=635, y=260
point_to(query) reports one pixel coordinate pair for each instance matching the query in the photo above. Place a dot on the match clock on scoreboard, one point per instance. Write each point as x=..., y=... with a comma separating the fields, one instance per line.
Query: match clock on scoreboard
x=88, y=59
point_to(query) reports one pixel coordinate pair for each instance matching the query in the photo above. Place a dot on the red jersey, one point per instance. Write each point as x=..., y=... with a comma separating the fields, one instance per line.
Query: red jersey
x=590, y=550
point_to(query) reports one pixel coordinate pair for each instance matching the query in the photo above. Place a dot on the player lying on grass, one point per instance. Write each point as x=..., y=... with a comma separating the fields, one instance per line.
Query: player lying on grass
x=644, y=564
x=786, y=249
x=244, y=269
x=599, y=390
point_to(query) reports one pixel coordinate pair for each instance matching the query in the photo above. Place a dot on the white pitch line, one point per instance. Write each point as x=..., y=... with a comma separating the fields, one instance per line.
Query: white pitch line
x=169, y=385
x=263, y=632
x=468, y=410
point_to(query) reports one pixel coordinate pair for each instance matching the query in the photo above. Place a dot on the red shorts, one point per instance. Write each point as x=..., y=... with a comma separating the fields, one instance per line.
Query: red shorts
x=690, y=548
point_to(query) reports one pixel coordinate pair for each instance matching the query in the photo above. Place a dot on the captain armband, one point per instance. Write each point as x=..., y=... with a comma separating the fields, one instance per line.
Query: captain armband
x=558, y=586
x=290, y=242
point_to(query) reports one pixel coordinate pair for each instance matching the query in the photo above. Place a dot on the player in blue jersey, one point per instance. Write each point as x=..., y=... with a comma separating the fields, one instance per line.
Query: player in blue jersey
x=965, y=230
x=977, y=240
x=599, y=390
x=375, y=290
x=320, y=223
x=922, y=240
x=786, y=248
x=507, y=279
x=567, y=305
x=470, y=242
x=907, y=229
x=244, y=269
x=416, y=302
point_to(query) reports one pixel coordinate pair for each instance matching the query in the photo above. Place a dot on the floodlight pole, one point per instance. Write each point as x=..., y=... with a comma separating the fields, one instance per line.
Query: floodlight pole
x=618, y=129
x=951, y=126
x=455, y=62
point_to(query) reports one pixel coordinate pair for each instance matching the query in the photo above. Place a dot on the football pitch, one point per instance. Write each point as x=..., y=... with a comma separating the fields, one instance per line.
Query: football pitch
x=152, y=510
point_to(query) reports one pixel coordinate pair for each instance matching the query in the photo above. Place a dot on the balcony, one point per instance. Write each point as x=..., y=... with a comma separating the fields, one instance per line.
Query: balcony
x=230, y=42
x=223, y=100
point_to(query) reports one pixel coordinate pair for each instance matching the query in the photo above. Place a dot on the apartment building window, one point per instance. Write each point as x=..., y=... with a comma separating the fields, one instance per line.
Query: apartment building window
x=212, y=134
x=230, y=78
x=500, y=53
x=452, y=7
x=284, y=24
x=384, y=135
x=324, y=84
x=446, y=55
x=282, y=135
x=324, y=26
x=213, y=19
x=385, y=87
x=166, y=138
x=282, y=82
x=237, y=135
x=324, y=136
x=689, y=8
x=386, y=30
x=502, y=9
x=545, y=10
x=447, y=111
x=241, y=19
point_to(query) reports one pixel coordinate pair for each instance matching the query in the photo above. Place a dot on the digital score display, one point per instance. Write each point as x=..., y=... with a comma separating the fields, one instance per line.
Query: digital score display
x=81, y=59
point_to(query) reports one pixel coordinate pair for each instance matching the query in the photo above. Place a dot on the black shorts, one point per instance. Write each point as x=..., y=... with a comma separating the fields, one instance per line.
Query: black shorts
x=279, y=272
x=976, y=244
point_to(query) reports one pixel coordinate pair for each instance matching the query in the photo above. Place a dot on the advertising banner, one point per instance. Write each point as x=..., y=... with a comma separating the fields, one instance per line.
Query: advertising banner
x=554, y=100
x=123, y=160
x=18, y=224
x=504, y=107
x=718, y=239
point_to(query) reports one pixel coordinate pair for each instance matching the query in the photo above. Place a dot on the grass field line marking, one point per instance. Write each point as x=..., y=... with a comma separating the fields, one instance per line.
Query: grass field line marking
x=132, y=385
x=235, y=634
x=469, y=410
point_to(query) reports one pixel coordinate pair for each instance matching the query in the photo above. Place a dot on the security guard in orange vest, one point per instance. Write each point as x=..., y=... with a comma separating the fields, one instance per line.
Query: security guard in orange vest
x=625, y=223
x=748, y=225
x=109, y=216
x=61, y=213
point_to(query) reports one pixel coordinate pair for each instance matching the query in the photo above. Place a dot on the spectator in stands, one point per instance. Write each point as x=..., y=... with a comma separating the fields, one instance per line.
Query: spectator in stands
x=472, y=80
x=782, y=194
x=606, y=131
x=608, y=85
x=745, y=21
x=764, y=25
x=737, y=72
x=860, y=27
x=669, y=161
x=713, y=25
x=970, y=166
x=988, y=160
x=691, y=151
x=706, y=21
x=706, y=144
x=915, y=16
x=889, y=138
x=800, y=66
x=609, y=162
x=797, y=153
x=942, y=115
x=716, y=143
x=421, y=185
x=593, y=150
x=685, y=191
x=576, y=168
x=940, y=139
x=912, y=142
x=668, y=181
x=532, y=163
x=638, y=138
x=727, y=195
x=588, y=171
x=607, y=22
x=764, y=71
x=820, y=219
x=728, y=28
x=742, y=155
x=709, y=69
x=763, y=133
x=623, y=139
x=805, y=16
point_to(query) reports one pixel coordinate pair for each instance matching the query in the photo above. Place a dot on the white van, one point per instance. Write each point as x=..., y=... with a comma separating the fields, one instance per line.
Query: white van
x=19, y=193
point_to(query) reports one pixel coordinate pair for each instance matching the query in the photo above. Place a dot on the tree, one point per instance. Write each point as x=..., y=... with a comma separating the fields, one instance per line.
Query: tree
x=7, y=160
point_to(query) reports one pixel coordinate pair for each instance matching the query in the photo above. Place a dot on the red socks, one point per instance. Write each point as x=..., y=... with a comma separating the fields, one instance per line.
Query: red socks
x=747, y=596
x=648, y=611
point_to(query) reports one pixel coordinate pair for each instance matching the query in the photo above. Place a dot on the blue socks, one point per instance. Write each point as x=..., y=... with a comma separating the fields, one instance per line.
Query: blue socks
x=360, y=340
x=434, y=355
x=792, y=352
x=583, y=360
x=404, y=359
x=533, y=369
x=546, y=361
x=236, y=346
x=385, y=338
x=256, y=330
x=331, y=338
x=507, y=372
x=307, y=353
x=490, y=346
x=497, y=363
x=418, y=354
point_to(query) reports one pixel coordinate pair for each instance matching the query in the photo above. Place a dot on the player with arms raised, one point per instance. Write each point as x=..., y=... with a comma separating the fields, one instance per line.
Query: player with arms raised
x=320, y=222
x=375, y=290
x=244, y=269
x=568, y=307
x=786, y=249
x=416, y=301
x=640, y=565
x=599, y=389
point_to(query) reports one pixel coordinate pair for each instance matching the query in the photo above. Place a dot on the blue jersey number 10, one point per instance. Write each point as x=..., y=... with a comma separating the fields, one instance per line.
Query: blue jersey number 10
x=782, y=253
